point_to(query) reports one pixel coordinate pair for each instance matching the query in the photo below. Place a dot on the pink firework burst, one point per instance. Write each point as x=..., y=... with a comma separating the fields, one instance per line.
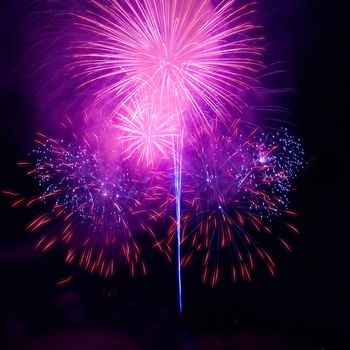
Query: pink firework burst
x=189, y=55
x=147, y=130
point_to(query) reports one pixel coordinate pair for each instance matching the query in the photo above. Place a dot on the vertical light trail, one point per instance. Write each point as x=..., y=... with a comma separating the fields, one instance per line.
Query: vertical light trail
x=177, y=149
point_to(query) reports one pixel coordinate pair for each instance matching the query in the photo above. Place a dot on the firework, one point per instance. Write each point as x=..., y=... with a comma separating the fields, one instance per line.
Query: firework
x=171, y=81
x=232, y=187
x=147, y=130
x=189, y=55
x=95, y=208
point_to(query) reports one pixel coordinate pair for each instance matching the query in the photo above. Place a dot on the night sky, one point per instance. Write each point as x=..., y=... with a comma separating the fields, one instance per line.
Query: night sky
x=305, y=307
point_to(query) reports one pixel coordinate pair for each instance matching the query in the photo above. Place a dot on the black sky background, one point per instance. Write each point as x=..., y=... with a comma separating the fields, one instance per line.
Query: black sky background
x=306, y=305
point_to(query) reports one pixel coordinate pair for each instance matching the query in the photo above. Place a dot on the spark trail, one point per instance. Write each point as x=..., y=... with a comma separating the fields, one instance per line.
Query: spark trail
x=178, y=148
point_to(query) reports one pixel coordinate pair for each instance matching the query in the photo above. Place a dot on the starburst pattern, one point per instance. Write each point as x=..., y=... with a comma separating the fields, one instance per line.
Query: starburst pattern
x=186, y=54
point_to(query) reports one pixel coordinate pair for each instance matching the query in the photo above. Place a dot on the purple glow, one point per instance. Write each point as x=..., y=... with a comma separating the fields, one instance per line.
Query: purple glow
x=162, y=89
